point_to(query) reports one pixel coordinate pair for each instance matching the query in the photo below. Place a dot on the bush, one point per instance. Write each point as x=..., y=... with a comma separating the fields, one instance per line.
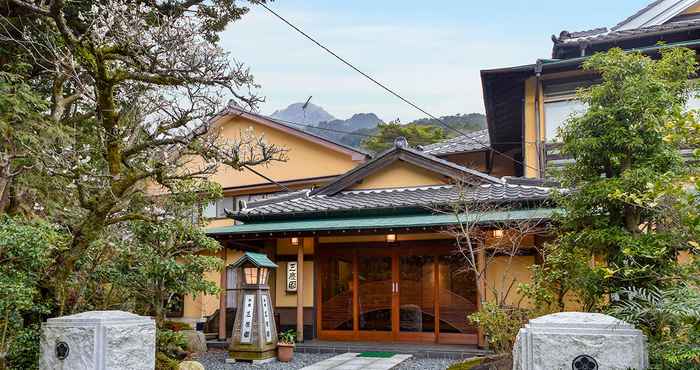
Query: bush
x=176, y=325
x=163, y=362
x=24, y=350
x=500, y=325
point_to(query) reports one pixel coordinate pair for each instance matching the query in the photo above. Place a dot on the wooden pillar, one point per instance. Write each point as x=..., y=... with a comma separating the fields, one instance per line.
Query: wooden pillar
x=481, y=281
x=300, y=291
x=222, y=298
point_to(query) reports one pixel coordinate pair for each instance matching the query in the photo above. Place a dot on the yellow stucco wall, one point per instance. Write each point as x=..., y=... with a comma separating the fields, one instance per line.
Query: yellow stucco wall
x=530, y=129
x=306, y=159
x=285, y=299
x=693, y=9
x=400, y=174
x=502, y=271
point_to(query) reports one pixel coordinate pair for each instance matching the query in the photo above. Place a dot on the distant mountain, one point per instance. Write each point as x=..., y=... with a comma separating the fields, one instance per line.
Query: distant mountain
x=338, y=129
x=312, y=115
x=353, y=130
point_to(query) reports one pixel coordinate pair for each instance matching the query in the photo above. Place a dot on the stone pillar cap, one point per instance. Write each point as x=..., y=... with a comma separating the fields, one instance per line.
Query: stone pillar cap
x=582, y=320
x=98, y=318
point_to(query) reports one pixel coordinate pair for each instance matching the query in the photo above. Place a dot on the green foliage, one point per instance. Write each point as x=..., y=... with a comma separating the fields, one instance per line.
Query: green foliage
x=628, y=213
x=163, y=260
x=415, y=134
x=163, y=362
x=467, y=365
x=288, y=336
x=500, y=325
x=25, y=252
x=670, y=318
x=24, y=351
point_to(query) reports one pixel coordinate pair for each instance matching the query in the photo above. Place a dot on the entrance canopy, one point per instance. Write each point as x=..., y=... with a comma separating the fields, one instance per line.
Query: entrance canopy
x=378, y=222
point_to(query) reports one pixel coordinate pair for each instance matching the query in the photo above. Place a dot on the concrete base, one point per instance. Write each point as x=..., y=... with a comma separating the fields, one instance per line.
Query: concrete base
x=254, y=362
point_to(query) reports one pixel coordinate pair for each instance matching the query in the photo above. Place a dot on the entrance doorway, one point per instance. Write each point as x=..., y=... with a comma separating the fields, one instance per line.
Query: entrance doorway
x=404, y=291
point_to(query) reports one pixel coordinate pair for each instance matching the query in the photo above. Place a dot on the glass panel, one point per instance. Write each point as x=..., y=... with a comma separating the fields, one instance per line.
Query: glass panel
x=224, y=203
x=374, y=292
x=457, y=295
x=416, y=294
x=209, y=210
x=231, y=287
x=556, y=114
x=336, y=292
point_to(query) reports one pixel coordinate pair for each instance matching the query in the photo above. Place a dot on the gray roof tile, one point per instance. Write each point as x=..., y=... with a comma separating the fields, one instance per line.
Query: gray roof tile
x=594, y=37
x=477, y=140
x=417, y=197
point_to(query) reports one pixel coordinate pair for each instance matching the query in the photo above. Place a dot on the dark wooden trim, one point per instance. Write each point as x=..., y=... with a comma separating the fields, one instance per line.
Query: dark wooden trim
x=292, y=258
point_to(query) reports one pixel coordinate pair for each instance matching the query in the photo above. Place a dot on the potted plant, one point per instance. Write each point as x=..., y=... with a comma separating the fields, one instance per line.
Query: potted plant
x=285, y=345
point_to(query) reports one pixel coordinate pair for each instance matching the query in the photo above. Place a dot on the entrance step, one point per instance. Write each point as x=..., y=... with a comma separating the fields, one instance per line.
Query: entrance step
x=417, y=350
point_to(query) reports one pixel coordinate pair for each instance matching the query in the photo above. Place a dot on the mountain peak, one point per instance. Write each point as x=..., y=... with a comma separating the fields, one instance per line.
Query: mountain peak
x=312, y=115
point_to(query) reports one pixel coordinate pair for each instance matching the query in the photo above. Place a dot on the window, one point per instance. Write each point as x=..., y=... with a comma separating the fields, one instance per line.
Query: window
x=556, y=113
x=560, y=104
x=216, y=209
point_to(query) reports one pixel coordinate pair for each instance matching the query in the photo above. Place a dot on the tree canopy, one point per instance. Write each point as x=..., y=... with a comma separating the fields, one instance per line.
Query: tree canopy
x=415, y=134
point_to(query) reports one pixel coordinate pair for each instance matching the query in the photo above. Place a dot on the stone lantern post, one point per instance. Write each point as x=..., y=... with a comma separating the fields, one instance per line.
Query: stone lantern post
x=254, y=336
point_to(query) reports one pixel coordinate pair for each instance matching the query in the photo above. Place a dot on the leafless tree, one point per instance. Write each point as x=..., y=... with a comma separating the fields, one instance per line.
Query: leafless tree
x=486, y=232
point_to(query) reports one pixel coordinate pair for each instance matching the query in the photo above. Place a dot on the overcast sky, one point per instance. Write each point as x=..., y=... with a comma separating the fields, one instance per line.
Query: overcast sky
x=429, y=52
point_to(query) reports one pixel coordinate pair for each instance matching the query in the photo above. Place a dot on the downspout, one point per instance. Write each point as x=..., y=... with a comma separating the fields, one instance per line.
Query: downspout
x=538, y=123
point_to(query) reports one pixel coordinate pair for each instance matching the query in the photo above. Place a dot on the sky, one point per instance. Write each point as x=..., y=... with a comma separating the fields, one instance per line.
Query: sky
x=429, y=52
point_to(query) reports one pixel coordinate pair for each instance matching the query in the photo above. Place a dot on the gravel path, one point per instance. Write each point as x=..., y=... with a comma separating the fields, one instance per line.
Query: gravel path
x=215, y=360
x=425, y=364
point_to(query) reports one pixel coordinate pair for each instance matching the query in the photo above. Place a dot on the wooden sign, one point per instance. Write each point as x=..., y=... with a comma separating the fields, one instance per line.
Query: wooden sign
x=247, y=327
x=292, y=276
x=267, y=326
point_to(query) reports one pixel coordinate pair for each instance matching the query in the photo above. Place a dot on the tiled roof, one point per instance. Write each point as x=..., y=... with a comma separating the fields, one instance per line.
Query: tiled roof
x=602, y=35
x=477, y=140
x=411, y=198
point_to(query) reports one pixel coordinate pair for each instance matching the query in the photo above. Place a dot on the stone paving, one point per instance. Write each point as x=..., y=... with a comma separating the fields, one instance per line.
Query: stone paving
x=350, y=361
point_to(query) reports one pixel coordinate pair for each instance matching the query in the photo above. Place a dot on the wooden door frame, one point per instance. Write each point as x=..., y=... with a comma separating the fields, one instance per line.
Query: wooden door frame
x=434, y=246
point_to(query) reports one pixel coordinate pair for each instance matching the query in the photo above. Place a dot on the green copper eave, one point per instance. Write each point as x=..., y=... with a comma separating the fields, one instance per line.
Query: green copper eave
x=382, y=222
x=257, y=259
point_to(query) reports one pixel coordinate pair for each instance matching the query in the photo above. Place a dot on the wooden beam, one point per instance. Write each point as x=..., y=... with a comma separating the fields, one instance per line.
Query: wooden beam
x=222, y=298
x=481, y=291
x=300, y=291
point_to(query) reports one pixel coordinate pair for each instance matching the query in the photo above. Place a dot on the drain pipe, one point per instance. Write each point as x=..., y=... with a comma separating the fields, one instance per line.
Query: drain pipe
x=538, y=120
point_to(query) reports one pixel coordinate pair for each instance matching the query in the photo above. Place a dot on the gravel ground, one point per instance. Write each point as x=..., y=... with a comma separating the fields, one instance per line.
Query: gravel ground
x=215, y=360
x=425, y=364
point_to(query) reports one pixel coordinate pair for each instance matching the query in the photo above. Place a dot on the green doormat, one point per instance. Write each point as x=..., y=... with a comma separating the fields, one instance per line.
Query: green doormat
x=376, y=354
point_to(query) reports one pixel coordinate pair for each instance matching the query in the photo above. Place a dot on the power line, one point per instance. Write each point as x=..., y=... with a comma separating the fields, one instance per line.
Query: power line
x=379, y=137
x=387, y=89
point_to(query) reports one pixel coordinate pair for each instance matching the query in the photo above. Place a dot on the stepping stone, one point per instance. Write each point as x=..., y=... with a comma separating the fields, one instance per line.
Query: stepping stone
x=350, y=361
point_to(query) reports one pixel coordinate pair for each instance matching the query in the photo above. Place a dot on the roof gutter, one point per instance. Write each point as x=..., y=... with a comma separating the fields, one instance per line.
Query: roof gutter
x=558, y=63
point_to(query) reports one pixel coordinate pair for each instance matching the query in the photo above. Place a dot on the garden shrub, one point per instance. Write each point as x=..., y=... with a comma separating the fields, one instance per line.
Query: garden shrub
x=24, y=350
x=500, y=325
x=163, y=362
x=176, y=325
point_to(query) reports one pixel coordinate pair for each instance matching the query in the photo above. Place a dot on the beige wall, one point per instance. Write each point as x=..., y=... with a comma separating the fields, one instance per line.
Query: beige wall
x=502, y=271
x=306, y=159
x=285, y=299
x=400, y=174
x=205, y=305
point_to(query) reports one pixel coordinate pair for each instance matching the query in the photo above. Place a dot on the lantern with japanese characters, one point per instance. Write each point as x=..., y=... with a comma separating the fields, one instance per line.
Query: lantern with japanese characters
x=254, y=336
